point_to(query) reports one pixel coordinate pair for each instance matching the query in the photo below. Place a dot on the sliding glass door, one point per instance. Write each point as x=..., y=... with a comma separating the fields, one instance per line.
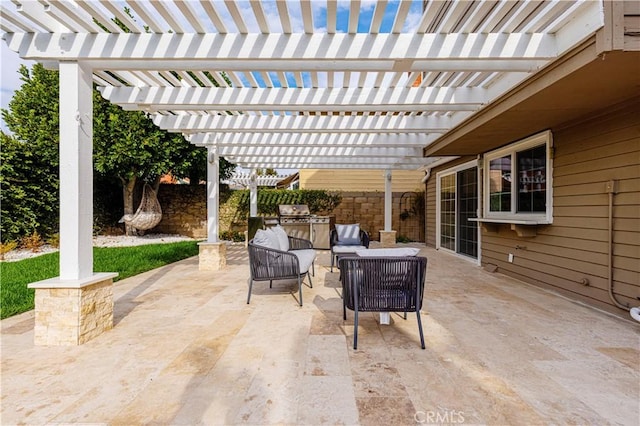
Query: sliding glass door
x=458, y=202
x=467, y=197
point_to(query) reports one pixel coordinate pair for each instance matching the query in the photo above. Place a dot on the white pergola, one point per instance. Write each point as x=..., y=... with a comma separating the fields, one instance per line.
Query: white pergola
x=246, y=179
x=284, y=84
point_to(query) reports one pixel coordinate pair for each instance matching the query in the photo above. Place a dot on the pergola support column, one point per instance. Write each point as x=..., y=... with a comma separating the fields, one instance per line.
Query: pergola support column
x=212, y=253
x=78, y=305
x=76, y=172
x=253, y=193
x=388, y=236
x=253, y=206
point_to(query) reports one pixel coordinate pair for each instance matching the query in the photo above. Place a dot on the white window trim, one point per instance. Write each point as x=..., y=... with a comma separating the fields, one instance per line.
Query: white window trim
x=546, y=138
x=454, y=170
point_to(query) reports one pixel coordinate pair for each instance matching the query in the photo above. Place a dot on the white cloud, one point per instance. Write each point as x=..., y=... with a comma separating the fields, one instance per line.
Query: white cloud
x=368, y=4
x=412, y=21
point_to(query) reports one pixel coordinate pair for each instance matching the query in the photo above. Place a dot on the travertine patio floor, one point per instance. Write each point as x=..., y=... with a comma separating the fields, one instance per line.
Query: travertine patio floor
x=187, y=349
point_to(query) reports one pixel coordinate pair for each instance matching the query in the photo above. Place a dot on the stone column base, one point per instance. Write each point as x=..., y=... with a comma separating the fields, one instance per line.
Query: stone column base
x=212, y=257
x=387, y=239
x=72, y=312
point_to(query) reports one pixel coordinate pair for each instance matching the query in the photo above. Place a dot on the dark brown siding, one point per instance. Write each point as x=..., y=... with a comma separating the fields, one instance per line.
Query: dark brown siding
x=574, y=250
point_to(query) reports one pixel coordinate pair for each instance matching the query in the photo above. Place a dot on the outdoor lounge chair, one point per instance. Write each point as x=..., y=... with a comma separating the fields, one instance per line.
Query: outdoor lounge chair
x=275, y=256
x=382, y=284
x=346, y=240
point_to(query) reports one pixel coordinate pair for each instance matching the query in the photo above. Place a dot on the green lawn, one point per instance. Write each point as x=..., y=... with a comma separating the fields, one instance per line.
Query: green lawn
x=16, y=298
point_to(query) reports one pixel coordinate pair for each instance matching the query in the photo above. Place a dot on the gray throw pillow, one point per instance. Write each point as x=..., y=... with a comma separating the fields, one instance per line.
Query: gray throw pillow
x=348, y=234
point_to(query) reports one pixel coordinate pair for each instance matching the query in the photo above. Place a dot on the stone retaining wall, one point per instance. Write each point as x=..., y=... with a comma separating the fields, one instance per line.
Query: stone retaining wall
x=184, y=211
x=367, y=209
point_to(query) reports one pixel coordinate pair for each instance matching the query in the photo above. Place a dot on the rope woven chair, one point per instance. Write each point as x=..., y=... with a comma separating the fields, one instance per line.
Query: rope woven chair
x=149, y=212
x=338, y=248
x=382, y=284
x=269, y=264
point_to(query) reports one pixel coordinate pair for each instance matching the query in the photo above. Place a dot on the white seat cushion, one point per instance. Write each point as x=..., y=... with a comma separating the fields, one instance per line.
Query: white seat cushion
x=305, y=258
x=347, y=249
x=389, y=252
x=283, y=239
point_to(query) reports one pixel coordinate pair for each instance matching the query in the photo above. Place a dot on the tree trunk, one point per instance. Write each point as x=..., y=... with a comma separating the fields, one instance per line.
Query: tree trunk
x=194, y=177
x=156, y=185
x=128, y=191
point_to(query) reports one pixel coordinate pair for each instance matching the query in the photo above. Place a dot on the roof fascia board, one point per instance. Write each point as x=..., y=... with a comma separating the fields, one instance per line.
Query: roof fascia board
x=612, y=35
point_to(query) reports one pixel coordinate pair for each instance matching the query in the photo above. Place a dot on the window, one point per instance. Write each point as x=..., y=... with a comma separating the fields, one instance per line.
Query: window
x=518, y=179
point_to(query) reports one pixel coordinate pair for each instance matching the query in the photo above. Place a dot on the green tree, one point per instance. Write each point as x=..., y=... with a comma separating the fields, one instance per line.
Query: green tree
x=267, y=172
x=129, y=146
x=29, y=172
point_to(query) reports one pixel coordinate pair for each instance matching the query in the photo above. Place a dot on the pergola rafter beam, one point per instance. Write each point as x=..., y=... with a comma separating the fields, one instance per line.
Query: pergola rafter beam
x=294, y=99
x=123, y=17
x=400, y=140
x=311, y=161
x=319, y=163
x=328, y=165
x=324, y=152
x=188, y=123
x=34, y=12
x=388, y=52
x=16, y=22
x=76, y=18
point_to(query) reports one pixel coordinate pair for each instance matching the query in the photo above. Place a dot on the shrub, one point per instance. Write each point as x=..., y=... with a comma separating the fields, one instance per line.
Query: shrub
x=6, y=248
x=54, y=240
x=403, y=239
x=319, y=201
x=235, y=236
x=33, y=242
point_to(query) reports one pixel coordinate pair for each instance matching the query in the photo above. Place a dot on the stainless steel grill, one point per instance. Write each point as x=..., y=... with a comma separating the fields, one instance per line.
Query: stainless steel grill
x=295, y=219
x=320, y=226
x=294, y=213
x=298, y=222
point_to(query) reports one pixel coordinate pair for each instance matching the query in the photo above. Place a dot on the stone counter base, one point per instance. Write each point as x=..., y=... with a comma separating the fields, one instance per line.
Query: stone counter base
x=387, y=239
x=70, y=313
